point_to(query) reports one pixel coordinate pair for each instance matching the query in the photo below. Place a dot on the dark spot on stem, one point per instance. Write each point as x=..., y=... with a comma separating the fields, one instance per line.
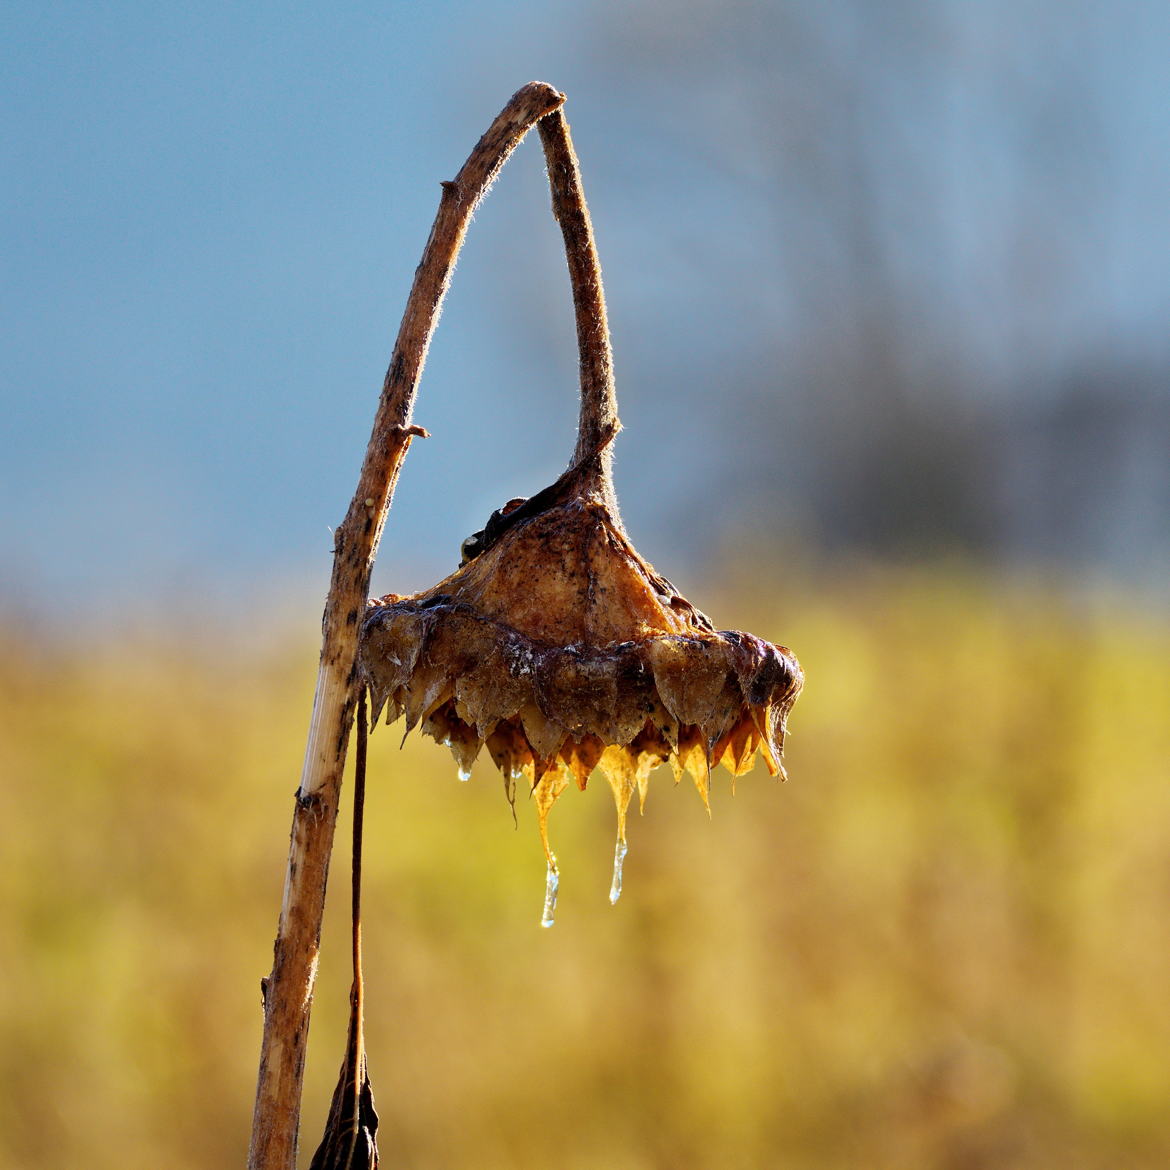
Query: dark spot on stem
x=395, y=372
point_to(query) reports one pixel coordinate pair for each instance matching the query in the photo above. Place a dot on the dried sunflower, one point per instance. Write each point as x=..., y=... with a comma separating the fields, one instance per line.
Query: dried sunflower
x=554, y=642
x=559, y=647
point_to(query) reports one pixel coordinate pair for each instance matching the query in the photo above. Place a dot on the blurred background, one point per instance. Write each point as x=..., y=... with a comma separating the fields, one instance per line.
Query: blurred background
x=888, y=287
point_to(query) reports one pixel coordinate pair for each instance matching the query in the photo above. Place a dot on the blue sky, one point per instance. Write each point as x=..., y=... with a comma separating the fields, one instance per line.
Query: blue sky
x=211, y=215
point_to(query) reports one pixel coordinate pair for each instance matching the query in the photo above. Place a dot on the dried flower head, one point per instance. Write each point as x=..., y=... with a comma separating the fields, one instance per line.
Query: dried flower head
x=559, y=647
x=554, y=643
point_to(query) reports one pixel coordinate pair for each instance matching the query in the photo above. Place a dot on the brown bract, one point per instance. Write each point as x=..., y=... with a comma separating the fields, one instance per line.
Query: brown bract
x=559, y=647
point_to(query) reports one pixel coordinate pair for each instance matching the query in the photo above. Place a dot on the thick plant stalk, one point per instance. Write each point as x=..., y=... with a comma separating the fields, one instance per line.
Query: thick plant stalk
x=288, y=990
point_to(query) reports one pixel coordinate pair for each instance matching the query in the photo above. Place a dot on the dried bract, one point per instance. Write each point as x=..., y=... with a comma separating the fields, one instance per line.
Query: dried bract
x=562, y=650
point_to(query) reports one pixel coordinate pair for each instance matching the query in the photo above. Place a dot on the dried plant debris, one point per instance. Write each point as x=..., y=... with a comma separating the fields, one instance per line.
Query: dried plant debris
x=560, y=648
x=351, y=1128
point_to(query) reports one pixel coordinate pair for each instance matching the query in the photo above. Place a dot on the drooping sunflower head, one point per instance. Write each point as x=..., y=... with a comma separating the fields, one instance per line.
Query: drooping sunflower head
x=561, y=649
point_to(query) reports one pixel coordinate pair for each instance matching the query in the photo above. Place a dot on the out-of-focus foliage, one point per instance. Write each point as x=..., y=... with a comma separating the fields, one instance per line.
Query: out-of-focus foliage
x=945, y=943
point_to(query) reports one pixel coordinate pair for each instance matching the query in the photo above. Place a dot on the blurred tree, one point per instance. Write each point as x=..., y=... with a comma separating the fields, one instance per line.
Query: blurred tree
x=897, y=242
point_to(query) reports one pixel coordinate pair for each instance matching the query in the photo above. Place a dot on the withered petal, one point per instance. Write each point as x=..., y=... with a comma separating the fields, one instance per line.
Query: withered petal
x=496, y=686
x=393, y=637
x=544, y=735
x=577, y=690
x=544, y=795
x=690, y=674
x=582, y=756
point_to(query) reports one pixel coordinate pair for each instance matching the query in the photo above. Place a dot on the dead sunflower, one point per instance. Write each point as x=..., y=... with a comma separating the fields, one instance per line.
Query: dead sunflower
x=559, y=647
x=554, y=642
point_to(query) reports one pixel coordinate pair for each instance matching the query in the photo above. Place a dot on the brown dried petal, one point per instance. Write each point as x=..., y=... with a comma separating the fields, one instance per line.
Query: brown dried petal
x=689, y=674
x=392, y=640
x=545, y=735
x=446, y=727
x=457, y=641
x=510, y=753
x=725, y=714
x=766, y=673
x=579, y=692
x=495, y=687
x=428, y=688
x=660, y=719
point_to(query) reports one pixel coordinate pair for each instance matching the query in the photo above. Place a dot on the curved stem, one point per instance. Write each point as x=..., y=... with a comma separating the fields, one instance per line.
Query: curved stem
x=288, y=990
x=599, y=418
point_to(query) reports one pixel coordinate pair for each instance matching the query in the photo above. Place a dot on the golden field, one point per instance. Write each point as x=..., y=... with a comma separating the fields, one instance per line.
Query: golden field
x=945, y=942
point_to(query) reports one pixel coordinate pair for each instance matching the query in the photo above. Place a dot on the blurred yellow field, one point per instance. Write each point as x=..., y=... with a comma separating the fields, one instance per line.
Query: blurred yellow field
x=944, y=943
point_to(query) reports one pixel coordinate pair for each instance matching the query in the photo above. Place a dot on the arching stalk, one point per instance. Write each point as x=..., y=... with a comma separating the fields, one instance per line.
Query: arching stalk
x=599, y=417
x=288, y=990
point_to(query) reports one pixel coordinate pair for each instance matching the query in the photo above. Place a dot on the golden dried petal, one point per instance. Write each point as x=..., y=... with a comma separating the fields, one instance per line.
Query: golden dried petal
x=767, y=749
x=650, y=751
x=736, y=748
x=626, y=769
x=647, y=762
x=544, y=794
x=620, y=769
x=582, y=757
x=693, y=756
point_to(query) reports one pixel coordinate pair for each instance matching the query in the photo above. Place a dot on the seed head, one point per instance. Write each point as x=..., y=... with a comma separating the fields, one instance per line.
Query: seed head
x=561, y=649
